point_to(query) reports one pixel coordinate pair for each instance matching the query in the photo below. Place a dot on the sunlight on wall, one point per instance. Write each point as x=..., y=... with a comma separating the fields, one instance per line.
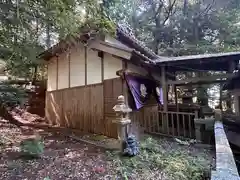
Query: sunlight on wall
x=94, y=67
x=52, y=74
x=111, y=65
x=77, y=67
x=63, y=71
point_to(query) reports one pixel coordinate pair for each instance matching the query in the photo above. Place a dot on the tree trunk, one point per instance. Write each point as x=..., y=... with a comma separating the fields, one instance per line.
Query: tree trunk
x=48, y=39
x=6, y=115
x=34, y=79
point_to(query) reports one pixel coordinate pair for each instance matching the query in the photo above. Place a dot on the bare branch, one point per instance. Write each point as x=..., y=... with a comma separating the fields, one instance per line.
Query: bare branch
x=207, y=9
x=169, y=11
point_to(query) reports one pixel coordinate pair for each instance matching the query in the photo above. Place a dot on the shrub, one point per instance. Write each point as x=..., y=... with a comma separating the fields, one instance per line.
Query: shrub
x=11, y=96
x=32, y=147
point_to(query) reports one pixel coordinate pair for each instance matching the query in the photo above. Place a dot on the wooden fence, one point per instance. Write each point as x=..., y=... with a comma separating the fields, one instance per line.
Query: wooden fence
x=176, y=124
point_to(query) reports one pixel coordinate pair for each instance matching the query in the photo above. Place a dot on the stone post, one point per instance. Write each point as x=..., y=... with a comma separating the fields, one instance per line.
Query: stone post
x=198, y=130
x=122, y=119
x=202, y=126
x=218, y=115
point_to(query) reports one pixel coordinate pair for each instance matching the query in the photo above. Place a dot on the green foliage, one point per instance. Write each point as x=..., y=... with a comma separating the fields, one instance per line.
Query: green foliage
x=176, y=164
x=11, y=96
x=46, y=178
x=32, y=147
x=27, y=27
x=184, y=27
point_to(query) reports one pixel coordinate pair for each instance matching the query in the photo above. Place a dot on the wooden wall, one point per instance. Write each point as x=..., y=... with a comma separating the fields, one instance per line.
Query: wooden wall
x=52, y=74
x=82, y=89
x=77, y=67
x=112, y=89
x=81, y=66
x=80, y=108
x=87, y=108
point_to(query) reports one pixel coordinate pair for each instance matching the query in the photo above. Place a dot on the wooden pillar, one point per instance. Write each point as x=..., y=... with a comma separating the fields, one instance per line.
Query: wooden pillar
x=165, y=99
x=57, y=73
x=85, y=56
x=125, y=87
x=232, y=66
x=69, y=68
x=176, y=97
x=236, y=102
x=164, y=88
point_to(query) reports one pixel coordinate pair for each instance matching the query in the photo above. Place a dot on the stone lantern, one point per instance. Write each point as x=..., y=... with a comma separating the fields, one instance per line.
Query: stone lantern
x=122, y=119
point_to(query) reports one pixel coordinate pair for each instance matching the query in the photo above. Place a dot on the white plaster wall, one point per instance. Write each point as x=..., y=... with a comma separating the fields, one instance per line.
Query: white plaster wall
x=94, y=67
x=77, y=66
x=52, y=74
x=111, y=66
x=63, y=71
x=133, y=68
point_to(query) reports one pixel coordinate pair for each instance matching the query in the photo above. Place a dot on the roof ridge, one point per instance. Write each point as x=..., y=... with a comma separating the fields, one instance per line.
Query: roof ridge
x=126, y=31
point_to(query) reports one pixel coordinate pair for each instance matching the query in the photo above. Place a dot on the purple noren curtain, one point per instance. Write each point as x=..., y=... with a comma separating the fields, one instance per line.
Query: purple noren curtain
x=141, y=90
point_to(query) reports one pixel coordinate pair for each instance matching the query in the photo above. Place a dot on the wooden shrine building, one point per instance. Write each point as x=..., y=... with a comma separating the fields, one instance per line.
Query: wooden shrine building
x=86, y=75
x=233, y=86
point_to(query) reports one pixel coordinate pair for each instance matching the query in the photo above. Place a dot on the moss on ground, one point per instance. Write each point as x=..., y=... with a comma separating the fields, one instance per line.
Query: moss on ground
x=163, y=159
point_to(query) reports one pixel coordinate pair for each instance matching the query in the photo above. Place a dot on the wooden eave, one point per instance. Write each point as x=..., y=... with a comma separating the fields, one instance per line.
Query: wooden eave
x=122, y=35
x=140, y=59
x=64, y=44
x=113, y=49
x=233, y=83
x=205, y=62
x=214, y=79
x=147, y=77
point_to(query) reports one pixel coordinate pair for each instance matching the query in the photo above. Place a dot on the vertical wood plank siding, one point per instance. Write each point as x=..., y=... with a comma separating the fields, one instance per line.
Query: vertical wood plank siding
x=78, y=108
x=112, y=89
x=85, y=108
x=90, y=109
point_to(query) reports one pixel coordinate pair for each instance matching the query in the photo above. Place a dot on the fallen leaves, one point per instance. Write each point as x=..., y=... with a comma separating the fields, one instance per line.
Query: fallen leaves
x=63, y=158
x=99, y=169
x=68, y=159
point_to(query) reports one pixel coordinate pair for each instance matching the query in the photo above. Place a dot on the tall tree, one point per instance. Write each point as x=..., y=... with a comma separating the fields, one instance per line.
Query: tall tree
x=27, y=27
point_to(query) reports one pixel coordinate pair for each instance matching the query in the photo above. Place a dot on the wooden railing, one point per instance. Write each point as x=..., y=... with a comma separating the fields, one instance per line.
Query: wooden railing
x=176, y=124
